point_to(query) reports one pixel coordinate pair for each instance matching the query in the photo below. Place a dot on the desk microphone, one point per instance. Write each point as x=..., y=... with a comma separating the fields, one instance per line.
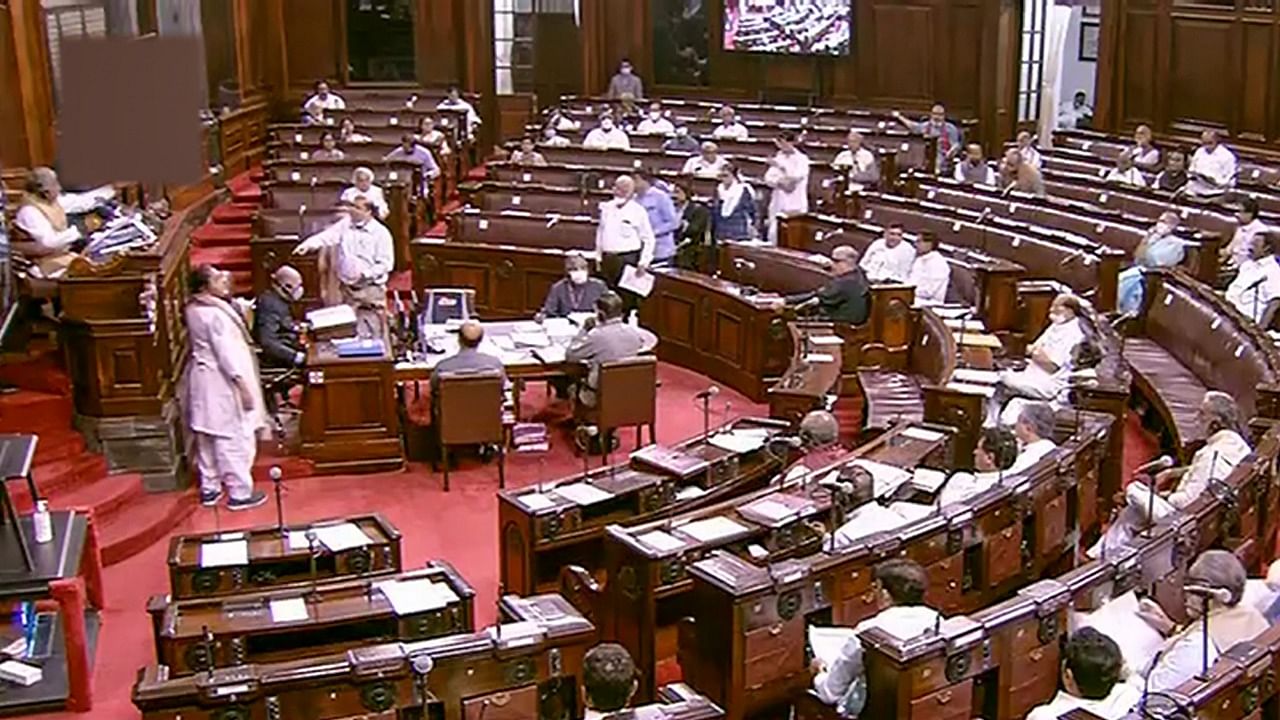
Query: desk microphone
x=276, y=475
x=707, y=394
x=1164, y=462
x=1222, y=595
x=302, y=212
x=836, y=486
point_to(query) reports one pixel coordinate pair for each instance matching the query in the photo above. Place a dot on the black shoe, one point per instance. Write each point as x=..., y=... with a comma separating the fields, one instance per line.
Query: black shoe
x=209, y=499
x=253, y=501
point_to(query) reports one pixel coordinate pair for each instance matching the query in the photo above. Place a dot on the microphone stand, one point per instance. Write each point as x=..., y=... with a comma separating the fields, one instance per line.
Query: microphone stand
x=312, y=547
x=276, y=476
x=1203, y=675
x=207, y=641
x=706, y=416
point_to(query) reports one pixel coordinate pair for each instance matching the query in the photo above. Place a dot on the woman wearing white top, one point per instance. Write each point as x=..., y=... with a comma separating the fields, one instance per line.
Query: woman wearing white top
x=362, y=187
x=1224, y=448
x=788, y=177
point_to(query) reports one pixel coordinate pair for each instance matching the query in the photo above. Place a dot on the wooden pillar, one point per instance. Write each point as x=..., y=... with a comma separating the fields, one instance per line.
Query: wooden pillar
x=28, y=86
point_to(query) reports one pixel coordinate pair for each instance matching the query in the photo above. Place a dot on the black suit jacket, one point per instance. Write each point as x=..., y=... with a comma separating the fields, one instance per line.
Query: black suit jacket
x=845, y=298
x=274, y=330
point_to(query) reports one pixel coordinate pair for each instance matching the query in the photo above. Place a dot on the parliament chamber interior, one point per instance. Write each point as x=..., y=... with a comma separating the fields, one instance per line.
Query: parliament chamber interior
x=958, y=319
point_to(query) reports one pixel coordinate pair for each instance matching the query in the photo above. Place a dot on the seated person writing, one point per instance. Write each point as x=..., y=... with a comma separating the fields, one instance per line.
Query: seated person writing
x=1048, y=360
x=1216, y=582
x=605, y=338
x=273, y=327
x=1125, y=174
x=1224, y=448
x=362, y=187
x=889, y=258
x=1092, y=680
x=996, y=452
x=609, y=681
x=846, y=297
x=577, y=292
x=1034, y=431
x=1159, y=249
x=43, y=233
x=902, y=585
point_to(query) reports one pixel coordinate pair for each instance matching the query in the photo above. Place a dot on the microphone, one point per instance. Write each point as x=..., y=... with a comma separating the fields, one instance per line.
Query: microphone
x=1222, y=595
x=276, y=474
x=743, y=264
x=789, y=440
x=708, y=393
x=1256, y=283
x=837, y=486
x=1164, y=462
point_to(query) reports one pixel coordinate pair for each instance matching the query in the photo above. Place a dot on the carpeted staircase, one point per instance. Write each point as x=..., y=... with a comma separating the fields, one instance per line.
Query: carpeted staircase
x=224, y=239
x=69, y=476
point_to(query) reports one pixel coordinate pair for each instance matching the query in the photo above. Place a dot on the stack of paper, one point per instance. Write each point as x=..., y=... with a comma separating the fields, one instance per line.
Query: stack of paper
x=343, y=536
x=916, y=432
x=887, y=478
x=534, y=501
x=977, y=377
x=224, y=554
x=661, y=541
x=712, y=529
x=530, y=437
x=582, y=493
x=408, y=597
x=536, y=339
x=827, y=643
x=983, y=390
x=911, y=512
x=927, y=480
x=334, y=321
x=292, y=609
x=740, y=441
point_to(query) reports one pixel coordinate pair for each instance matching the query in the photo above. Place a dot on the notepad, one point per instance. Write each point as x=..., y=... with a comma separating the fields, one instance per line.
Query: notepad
x=927, y=479
x=292, y=609
x=582, y=493
x=530, y=339
x=712, y=529
x=559, y=327
x=408, y=597
x=535, y=501
x=297, y=540
x=661, y=541
x=739, y=441
x=224, y=554
x=342, y=536
x=550, y=355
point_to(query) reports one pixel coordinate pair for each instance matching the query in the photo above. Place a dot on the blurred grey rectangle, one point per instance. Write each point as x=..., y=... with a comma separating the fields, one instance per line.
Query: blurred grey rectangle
x=130, y=111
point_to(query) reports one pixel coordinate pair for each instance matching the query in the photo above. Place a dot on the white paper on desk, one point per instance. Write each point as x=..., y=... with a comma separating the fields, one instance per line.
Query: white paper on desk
x=551, y=354
x=911, y=512
x=739, y=441
x=689, y=492
x=408, y=597
x=580, y=318
x=950, y=311
x=330, y=317
x=342, y=536
x=292, y=609
x=534, y=501
x=712, y=529
x=661, y=541
x=224, y=554
x=582, y=493
x=887, y=478
x=504, y=342
x=828, y=642
x=773, y=510
x=977, y=377
x=526, y=326
x=819, y=358
x=559, y=327
x=1118, y=619
x=640, y=283
x=530, y=339
x=983, y=390
x=915, y=432
x=927, y=479
x=296, y=540
x=825, y=340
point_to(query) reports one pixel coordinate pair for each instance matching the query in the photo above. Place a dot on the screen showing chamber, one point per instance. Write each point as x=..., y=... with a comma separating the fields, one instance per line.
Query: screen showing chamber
x=788, y=27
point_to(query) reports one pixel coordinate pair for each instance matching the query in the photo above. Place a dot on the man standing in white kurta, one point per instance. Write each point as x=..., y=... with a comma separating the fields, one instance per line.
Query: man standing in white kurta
x=788, y=177
x=224, y=397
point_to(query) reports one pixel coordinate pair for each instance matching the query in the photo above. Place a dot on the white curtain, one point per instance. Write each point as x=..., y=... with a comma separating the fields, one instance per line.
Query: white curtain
x=1055, y=44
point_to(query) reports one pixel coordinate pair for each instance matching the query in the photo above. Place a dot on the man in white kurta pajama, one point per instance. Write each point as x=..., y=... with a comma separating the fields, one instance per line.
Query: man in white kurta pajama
x=788, y=177
x=224, y=397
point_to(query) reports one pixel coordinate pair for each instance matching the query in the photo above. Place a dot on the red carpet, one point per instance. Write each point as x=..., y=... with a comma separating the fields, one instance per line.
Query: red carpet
x=224, y=239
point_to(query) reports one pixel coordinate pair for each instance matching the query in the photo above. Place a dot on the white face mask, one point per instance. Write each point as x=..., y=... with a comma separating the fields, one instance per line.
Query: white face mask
x=607, y=126
x=655, y=115
x=296, y=293
x=1059, y=316
x=577, y=277
x=1163, y=229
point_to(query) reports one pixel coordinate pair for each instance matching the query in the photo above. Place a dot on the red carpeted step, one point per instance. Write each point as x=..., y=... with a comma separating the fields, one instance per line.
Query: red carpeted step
x=248, y=193
x=227, y=258
x=234, y=214
x=59, y=446
x=28, y=411
x=41, y=372
x=109, y=496
x=150, y=519
x=242, y=281
x=54, y=479
x=216, y=235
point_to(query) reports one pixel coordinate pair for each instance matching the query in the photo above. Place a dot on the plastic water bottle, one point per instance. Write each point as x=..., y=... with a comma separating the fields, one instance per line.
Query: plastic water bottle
x=43, y=522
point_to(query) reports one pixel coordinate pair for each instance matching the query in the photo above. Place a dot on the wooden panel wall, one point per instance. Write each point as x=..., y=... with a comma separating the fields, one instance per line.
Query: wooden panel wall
x=906, y=54
x=1179, y=67
x=26, y=121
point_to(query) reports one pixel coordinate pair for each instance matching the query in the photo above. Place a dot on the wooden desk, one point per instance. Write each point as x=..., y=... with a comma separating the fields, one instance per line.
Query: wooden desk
x=510, y=281
x=455, y=677
x=745, y=649
x=810, y=379
x=273, y=563
x=647, y=589
x=522, y=228
x=341, y=615
x=350, y=420
x=539, y=531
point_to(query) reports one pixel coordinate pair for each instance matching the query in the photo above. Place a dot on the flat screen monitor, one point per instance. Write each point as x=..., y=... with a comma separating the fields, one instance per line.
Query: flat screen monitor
x=448, y=305
x=788, y=27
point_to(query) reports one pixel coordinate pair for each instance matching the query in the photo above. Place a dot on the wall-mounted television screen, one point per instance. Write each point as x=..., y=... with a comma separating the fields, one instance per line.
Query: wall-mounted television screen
x=788, y=27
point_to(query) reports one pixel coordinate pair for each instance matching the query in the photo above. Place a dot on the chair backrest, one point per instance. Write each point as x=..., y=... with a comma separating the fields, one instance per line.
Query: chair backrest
x=469, y=408
x=627, y=392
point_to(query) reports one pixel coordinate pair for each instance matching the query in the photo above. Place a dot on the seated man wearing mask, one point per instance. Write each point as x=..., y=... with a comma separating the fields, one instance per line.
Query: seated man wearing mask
x=1048, y=359
x=996, y=452
x=1225, y=446
x=609, y=681
x=902, y=585
x=1092, y=680
x=1034, y=431
x=1216, y=580
x=273, y=326
x=1159, y=249
x=603, y=339
x=577, y=292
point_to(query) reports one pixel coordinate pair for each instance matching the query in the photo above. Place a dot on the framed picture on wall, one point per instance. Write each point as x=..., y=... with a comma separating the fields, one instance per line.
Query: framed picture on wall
x=1089, y=33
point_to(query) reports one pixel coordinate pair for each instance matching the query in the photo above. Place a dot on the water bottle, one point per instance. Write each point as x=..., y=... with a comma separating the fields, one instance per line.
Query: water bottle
x=43, y=522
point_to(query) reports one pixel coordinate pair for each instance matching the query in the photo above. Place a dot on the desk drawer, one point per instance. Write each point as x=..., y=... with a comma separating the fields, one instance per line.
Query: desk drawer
x=946, y=578
x=1004, y=554
x=519, y=704
x=771, y=653
x=950, y=703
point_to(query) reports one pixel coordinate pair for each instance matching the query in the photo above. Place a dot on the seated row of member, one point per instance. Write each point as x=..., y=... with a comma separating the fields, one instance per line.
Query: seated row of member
x=1050, y=361
x=1257, y=281
x=315, y=109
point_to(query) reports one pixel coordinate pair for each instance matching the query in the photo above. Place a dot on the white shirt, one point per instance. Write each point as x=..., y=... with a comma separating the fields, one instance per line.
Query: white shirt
x=733, y=131
x=930, y=274
x=1219, y=166
x=366, y=254
x=793, y=170
x=1069, y=116
x=882, y=263
x=44, y=239
x=1183, y=657
x=699, y=167
x=649, y=126
x=601, y=139
x=1031, y=454
x=373, y=195
x=861, y=161
x=1116, y=705
x=1256, y=285
x=1058, y=341
x=1221, y=453
x=963, y=485
x=473, y=119
x=1031, y=156
x=315, y=106
x=624, y=228
x=1243, y=238
x=902, y=621
x=1132, y=177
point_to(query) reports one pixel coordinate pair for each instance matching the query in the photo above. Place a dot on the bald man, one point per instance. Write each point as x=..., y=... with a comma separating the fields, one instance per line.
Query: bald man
x=468, y=358
x=847, y=296
x=273, y=325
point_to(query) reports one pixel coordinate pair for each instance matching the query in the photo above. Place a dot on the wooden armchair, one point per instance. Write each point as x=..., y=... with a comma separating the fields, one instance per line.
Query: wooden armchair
x=627, y=396
x=468, y=411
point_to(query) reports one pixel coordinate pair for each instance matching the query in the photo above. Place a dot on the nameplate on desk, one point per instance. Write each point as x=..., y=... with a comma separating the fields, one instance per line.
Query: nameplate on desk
x=483, y=224
x=526, y=177
x=295, y=176
x=230, y=690
x=825, y=340
x=315, y=377
x=304, y=155
x=231, y=536
x=819, y=358
x=516, y=200
x=393, y=121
